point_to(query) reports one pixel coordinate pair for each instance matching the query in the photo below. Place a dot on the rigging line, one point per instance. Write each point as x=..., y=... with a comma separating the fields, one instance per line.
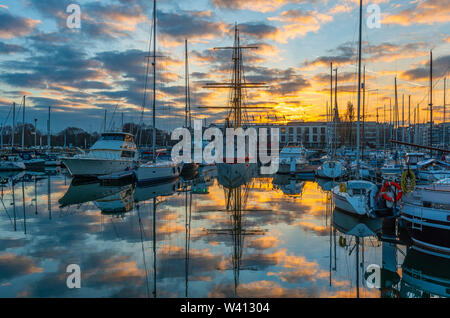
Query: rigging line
x=435, y=84
x=112, y=118
x=6, y=119
x=139, y=131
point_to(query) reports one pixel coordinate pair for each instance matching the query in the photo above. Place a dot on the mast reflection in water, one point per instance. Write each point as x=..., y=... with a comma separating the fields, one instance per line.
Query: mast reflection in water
x=206, y=237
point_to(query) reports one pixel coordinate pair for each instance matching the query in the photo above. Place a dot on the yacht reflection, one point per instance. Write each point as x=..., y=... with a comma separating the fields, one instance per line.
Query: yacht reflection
x=425, y=275
x=290, y=186
x=118, y=203
x=79, y=193
x=356, y=229
x=144, y=193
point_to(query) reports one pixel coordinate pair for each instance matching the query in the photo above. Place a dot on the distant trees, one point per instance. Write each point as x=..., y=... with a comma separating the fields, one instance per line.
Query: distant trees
x=346, y=127
x=77, y=137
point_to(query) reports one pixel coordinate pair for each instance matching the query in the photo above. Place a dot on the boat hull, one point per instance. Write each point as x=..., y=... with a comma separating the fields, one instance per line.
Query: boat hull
x=87, y=167
x=11, y=166
x=331, y=170
x=154, y=174
x=429, y=229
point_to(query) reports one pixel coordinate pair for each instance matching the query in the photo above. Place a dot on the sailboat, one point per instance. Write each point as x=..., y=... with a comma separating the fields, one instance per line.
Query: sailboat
x=156, y=171
x=357, y=196
x=190, y=169
x=332, y=168
x=236, y=171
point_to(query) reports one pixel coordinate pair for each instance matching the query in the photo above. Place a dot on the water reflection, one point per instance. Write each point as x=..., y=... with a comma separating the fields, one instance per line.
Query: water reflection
x=219, y=233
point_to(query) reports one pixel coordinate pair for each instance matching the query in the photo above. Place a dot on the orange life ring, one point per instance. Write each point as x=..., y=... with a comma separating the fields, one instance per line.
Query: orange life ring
x=388, y=185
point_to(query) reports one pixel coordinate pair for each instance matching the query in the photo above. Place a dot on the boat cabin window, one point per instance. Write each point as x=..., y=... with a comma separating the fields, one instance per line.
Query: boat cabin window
x=112, y=137
x=359, y=191
x=127, y=154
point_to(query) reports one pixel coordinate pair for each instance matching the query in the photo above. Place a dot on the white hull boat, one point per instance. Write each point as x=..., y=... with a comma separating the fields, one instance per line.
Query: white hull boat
x=158, y=172
x=331, y=169
x=426, y=213
x=11, y=165
x=355, y=196
x=114, y=152
x=233, y=175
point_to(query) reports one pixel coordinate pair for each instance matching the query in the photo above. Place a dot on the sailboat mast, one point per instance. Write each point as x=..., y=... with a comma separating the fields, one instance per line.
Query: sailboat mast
x=396, y=112
x=363, y=113
x=14, y=125
x=188, y=90
x=359, y=91
x=23, y=125
x=48, y=129
x=331, y=118
x=444, y=136
x=409, y=118
x=403, y=117
x=431, y=98
x=154, y=85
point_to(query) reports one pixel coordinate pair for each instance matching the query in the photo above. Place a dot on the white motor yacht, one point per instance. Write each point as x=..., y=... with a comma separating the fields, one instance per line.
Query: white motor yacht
x=113, y=152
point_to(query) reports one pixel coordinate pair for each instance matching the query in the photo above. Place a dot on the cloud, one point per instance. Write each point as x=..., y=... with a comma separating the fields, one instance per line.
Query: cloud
x=12, y=265
x=441, y=66
x=13, y=26
x=299, y=23
x=256, y=5
x=10, y=48
x=422, y=12
x=193, y=25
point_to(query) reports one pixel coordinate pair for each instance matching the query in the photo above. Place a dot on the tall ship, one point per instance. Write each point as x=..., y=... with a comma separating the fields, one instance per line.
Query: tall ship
x=237, y=170
x=114, y=152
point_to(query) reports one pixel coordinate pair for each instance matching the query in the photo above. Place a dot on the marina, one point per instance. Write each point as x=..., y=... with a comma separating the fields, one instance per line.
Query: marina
x=223, y=190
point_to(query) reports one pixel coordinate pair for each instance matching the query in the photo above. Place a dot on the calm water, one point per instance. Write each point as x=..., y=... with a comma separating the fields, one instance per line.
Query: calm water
x=272, y=237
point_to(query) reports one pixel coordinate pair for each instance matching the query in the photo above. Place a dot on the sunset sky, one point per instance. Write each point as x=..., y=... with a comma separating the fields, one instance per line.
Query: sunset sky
x=81, y=72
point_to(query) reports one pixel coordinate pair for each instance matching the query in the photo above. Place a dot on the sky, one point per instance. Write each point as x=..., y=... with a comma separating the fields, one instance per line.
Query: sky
x=102, y=65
